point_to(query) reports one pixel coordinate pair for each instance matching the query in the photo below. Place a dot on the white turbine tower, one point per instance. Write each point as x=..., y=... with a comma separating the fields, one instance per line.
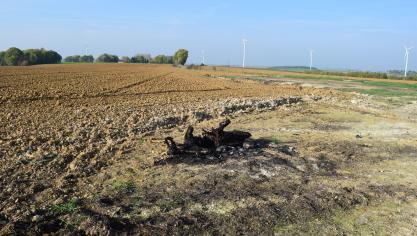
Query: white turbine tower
x=203, y=55
x=311, y=58
x=407, y=55
x=244, y=52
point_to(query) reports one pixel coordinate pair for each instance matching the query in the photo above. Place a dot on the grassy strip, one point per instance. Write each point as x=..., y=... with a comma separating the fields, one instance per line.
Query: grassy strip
x=381, y=92
x=377, y=91
x=74, y=63
x=389, y=84
x=341, y=78
x=331, y=78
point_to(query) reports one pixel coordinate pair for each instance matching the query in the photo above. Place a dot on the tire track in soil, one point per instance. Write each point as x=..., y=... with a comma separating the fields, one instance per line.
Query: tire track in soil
x=107, y=95
x=126, y=87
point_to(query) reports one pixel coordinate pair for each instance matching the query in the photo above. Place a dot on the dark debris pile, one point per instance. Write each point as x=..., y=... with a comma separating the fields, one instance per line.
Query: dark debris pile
x=213, y=141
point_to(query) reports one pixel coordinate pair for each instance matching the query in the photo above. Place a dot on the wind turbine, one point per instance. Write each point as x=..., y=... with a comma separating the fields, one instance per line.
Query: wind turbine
x=244, y=52
x=203, y=55
x=407, y=54
x=311, y=58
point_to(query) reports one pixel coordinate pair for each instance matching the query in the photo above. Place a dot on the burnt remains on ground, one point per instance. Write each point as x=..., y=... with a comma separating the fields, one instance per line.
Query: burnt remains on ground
x=213, y=141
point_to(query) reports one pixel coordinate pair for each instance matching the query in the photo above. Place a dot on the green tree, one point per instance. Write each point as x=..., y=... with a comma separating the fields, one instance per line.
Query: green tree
x=87, y=59
x=180, y=57
x=169, y=60
x=141, y=58
x=108, y=58
x=136, y=59
x=160, y=59
x=2, y=53
x=76, y=58
x=125, y=59
x=31, y=56
x=52, y=57
x=69, y=59
x=16, y=57
x=13, y=57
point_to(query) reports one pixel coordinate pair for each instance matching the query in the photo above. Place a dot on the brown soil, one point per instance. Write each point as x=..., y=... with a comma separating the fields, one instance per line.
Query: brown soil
x=79, y=143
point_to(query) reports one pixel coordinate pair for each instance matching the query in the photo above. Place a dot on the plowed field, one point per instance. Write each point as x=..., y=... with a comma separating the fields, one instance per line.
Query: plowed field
x=79, y=146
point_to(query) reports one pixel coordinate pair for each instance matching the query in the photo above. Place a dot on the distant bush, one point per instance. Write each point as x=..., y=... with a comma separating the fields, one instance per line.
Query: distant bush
x=2, y=57
x=292, y=68
x=163, y=59
x=43, y=56
x=74, y=59
x=125, y=59
x=193, y=67
x=393, y=74
x=361, y=74
x=16, y=57
x=108, y=58
x=87, y=59
x=401, y=73
x=398, y=74
x=141, y=58
x=78, y=59
x=409, y=77
x=13, y=57
x=180, y=57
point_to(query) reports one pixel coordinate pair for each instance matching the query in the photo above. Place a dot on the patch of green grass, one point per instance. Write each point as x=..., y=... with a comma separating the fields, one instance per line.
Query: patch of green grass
x=343, y=78
x=124, y=186
x=314, y=77
x=69, y=63
x=232, y=77
x=66, y=208
x=309, y=77
x=389, y=84
x=382, y=92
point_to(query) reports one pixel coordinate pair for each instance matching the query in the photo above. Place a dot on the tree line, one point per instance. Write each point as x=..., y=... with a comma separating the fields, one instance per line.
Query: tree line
x=179, y=58
x=16, y=57
x=78, y=59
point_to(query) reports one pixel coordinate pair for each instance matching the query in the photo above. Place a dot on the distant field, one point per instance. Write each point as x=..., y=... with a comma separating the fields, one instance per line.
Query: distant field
x=370, y=86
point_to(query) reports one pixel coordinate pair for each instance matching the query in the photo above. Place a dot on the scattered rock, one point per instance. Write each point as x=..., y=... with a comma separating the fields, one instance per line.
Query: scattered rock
x=198, y=116
x=288, y=150
x=221, y=149
x=249, y=145
x=273, y=145
x=36, y=218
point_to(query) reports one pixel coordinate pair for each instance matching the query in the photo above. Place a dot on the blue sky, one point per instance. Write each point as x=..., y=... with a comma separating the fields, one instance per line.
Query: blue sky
x=365, y=35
